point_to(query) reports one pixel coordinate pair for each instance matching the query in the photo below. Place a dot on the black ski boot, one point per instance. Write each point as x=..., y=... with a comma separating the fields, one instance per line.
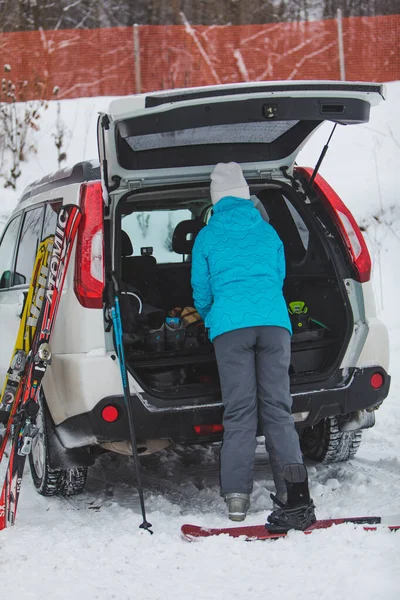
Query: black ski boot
x=298, y=511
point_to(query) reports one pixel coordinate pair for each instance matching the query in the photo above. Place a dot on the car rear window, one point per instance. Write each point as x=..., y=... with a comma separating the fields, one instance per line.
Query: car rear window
x=233, y=133
x=301, y=226
x=287, y=222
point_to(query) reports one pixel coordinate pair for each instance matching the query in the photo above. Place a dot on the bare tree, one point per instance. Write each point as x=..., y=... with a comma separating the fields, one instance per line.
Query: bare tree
x=22, y=15
x=143, y=222
x=360, y=8
x=19, y=117
x=60, y=135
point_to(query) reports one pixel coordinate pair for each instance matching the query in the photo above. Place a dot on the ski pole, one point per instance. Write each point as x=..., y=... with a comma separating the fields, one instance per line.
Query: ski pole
x=117, y=324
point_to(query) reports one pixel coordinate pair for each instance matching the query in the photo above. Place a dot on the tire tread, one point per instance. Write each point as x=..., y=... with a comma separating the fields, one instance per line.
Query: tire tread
x=334, y=445
x=56, y=482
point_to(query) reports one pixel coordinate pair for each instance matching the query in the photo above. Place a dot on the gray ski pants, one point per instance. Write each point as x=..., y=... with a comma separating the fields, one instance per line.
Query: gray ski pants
x=253, y=365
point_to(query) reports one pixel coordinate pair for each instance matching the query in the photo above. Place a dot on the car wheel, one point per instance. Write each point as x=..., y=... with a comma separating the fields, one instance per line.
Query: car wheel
x=327, y=444
x=48, y=481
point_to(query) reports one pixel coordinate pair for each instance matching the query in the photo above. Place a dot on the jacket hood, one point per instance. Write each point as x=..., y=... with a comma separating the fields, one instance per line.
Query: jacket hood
x=236, y=213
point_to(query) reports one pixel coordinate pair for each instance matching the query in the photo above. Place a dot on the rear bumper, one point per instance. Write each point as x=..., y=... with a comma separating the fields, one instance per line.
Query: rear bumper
x=178, y=423
x=356, y=394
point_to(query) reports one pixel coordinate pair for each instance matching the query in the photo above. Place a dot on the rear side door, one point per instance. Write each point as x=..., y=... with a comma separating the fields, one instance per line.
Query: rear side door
x=18, y=250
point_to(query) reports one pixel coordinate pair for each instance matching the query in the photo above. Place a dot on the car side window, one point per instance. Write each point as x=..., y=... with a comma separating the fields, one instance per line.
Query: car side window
x=28, y=245
x=7, y=248
x=50, y=218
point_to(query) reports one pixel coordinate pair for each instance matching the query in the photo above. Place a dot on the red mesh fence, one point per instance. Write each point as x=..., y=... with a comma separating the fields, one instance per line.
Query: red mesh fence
x=101, y=62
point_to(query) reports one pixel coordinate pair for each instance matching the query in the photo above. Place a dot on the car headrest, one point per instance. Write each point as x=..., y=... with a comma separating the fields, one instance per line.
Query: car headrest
x=184, y=230
x=126, y=244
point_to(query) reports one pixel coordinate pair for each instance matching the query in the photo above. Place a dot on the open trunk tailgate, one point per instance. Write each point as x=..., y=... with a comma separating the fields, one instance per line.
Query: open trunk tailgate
x=260, y=125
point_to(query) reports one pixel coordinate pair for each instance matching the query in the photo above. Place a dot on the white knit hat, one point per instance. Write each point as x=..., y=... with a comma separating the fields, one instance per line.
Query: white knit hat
x=227, y=180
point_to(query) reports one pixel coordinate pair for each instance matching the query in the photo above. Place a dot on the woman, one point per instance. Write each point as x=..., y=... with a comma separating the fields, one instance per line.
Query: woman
x=238, y=269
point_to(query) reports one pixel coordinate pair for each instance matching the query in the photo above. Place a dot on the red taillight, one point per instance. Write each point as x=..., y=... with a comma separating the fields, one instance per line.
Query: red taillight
x=346, y=224
x=207, y=429
x=110, y=413
x=89, y=262
x=376, y=381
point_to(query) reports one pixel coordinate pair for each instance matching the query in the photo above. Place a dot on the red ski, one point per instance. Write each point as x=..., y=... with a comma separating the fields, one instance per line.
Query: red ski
x=260, y=532
x=26, y=399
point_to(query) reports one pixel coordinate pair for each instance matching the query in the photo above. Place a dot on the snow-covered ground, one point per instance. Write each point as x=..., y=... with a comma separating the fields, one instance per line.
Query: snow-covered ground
x=90, y=547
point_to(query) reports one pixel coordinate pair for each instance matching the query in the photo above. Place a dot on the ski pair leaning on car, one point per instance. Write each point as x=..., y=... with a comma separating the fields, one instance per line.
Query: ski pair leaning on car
x=238, y=270
x=19, y=401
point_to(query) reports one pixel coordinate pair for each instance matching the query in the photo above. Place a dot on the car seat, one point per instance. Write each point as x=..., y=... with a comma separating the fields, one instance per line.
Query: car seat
x=184, y=236
x=175, y=278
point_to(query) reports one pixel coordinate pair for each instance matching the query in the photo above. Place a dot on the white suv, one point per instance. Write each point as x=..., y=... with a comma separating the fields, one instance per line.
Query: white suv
x=143, y=204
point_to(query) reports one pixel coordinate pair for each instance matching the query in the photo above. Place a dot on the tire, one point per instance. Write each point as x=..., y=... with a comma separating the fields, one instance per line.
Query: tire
x=48, y=481
x=325, y=443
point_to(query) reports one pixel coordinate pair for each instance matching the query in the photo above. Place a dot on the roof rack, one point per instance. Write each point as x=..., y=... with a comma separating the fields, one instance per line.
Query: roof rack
x=78, y=173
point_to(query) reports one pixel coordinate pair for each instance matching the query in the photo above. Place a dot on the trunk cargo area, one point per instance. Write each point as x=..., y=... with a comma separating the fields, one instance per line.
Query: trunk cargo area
x=155, y=232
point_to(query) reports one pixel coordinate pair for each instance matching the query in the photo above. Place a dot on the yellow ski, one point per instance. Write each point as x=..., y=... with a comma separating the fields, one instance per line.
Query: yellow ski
x=27, y=328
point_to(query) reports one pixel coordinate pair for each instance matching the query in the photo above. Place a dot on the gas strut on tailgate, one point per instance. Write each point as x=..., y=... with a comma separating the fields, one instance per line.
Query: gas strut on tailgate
x=321, y=158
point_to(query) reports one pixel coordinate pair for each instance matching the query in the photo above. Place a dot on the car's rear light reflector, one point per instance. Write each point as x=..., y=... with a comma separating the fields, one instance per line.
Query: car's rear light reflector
x=110, y=413
x=355, y=245
x=300, y=416
x=89, y=262
x=208, y=429
x=96, y=259
x=377, y=380
x=346, y=224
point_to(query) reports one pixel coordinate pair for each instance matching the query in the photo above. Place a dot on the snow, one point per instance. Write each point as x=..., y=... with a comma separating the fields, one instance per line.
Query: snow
x=91, y=547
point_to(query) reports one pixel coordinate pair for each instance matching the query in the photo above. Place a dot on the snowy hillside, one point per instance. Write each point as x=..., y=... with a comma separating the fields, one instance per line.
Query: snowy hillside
x=90, y=547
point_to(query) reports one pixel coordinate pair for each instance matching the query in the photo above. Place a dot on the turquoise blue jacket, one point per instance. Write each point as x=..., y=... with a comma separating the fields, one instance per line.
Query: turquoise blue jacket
x=238, y=269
